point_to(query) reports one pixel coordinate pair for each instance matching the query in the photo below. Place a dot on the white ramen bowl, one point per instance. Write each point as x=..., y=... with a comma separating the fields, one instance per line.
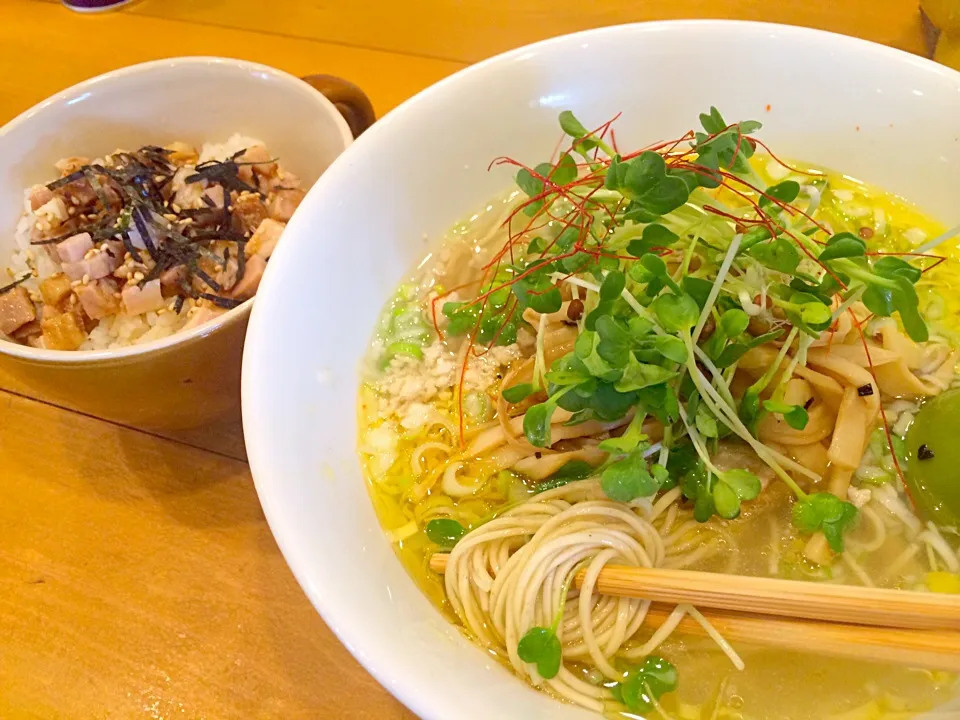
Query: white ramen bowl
x=191, y=377
x=874, y=112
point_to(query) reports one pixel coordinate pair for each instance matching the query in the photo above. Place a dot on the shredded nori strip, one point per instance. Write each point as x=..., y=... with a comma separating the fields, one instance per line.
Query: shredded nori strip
x=865, y=390
x=241, y=260
x=924, y=453
x=178, y=304
x=7, y=288
x=224, y=172
x=131, y=248
x=223, y=302
x=140, y=183
x=808, y=403
x=67, y=179
x=141, y=224
x=208, y=280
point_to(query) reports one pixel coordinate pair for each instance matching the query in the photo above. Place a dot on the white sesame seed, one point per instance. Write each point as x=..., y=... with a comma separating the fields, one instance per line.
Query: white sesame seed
x=138, y=276
x=86, y=279
x=75, y=283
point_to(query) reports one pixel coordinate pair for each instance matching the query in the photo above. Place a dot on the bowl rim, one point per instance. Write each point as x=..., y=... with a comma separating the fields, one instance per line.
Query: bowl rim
x=295, y=84
x=406, y=686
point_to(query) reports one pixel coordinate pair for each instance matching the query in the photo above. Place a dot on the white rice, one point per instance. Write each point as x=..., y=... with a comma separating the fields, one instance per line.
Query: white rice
x=118, y=330
x=221, y=151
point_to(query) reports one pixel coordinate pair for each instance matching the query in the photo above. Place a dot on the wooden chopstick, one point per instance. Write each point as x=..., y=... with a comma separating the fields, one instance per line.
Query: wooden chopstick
x=769, y=596
x=933, y=649
x=929, y=649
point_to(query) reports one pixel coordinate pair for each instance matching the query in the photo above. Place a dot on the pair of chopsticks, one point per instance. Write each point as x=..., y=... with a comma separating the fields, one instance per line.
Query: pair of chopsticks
x=894, y=626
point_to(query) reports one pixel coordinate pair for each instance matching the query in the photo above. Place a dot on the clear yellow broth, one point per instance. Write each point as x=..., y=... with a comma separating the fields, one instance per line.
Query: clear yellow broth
x=775, y=685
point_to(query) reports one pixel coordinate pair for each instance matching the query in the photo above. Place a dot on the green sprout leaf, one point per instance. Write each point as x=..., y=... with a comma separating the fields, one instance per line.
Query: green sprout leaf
x=536, y=423
x=697, y=288
x=646, y=684
x=646, y=184
x=541, y=646
x=734, y=323
x=637, y=375
x=843, y=245
x=654, y=236
x=827, y=513
x=795, y=416
x=786, y=192
x=517, y=393
x=905, y=300
x=779, y=254
x=629, y=478
x=571, y=126
x=671, y=347
x=731, y=489
x=445, y=532
x=676, y=313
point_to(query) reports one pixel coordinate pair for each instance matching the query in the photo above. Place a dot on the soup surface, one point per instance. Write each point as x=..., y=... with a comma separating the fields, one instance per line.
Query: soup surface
x=699, y=357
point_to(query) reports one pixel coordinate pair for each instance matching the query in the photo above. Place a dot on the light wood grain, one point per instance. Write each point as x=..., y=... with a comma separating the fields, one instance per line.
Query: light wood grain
x=139, y=578
x=470, y=30
x=45, y=48
x=772, y=596
x=934, y=650
x=137, y=575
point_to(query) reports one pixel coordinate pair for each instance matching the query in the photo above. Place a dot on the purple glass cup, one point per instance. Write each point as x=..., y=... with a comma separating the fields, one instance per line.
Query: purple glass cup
x=94, y=5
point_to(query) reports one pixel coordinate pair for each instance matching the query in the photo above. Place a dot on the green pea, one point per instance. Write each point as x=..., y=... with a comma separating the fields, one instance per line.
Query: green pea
x=933, y=452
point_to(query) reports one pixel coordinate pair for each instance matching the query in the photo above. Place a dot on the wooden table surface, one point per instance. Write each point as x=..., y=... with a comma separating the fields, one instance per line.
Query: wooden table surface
x=138, y=577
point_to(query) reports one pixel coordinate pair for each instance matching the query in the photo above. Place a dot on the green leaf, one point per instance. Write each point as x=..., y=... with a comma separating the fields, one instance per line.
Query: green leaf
x=795, y=415
x=646, y=684
x=905, y=300
x=706, y=423
x=651, y=191
x=517, y=393
x=672, y=348
x=893, y=267
x=756, y=234
x=879, y=300
x=637, y=375
x=445, y=532
x=732, y=488
x=628, y=479
x=765, y=338
x=786, y=191
x=713, y=122
x=676, y=313
x=730, y=354
x=571, y=126
x=815, y=313
x=697, y=288
x=538, y=292
x=750, y=409
x=565, y=171
x=541, y=645
x=536, y=423
x=828, y=513
x=726, y=501
x=612, y=285
x=531, y=185
x=779, y=254
x=654, y=236
x=843, y=245
x=567, y=238
x=571, y=471
x=734, y=322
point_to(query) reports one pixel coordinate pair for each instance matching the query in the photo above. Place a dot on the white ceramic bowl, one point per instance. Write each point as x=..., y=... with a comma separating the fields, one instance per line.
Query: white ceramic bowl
x=874, y=112
x=192, y=376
